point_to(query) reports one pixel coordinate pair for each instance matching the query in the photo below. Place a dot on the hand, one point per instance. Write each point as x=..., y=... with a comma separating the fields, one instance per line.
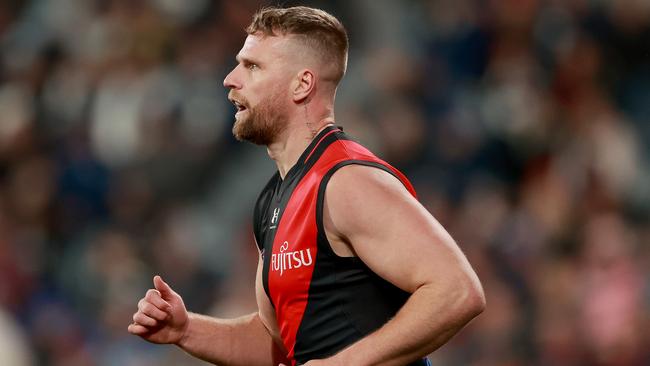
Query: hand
x=161, y=315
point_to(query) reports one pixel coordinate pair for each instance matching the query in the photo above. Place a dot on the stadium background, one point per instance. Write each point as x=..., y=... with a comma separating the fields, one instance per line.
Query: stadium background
x=524, y=125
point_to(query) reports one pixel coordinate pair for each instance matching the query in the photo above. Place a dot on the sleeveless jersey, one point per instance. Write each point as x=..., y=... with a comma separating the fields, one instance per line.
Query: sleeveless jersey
x=323, y=302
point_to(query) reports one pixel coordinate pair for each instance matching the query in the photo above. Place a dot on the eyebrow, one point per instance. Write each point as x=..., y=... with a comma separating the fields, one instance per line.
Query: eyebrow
x=246, y=60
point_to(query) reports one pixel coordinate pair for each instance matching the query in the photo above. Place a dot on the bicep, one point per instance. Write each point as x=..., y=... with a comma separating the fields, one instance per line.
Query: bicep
x=391, y=231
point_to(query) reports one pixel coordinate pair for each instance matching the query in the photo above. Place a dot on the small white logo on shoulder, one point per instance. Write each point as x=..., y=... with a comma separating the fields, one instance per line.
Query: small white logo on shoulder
x=285, y=261
x=274, y=219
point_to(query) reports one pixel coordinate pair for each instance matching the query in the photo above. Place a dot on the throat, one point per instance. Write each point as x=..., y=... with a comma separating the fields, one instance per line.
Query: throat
x=291, y=147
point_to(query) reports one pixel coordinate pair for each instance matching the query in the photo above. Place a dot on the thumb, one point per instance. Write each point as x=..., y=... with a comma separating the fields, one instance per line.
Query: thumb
x=162, y=287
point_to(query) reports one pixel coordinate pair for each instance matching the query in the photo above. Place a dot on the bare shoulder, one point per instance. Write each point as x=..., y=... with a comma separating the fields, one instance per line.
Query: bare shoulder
x=359, y=197
x=355, y=181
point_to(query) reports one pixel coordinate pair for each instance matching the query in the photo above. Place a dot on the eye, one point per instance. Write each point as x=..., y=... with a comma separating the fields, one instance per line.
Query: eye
x=252, y=66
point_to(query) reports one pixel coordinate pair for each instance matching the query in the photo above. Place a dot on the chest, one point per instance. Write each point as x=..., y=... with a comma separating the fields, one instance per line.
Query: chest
x=288, y=232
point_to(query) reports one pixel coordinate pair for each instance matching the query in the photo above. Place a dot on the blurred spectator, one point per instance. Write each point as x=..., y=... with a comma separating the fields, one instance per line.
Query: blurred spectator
x=14, y=349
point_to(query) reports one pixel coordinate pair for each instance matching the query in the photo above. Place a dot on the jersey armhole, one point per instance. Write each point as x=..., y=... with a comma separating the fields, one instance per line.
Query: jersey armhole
x=323, y=243
x=257, y=226
x=261, y=205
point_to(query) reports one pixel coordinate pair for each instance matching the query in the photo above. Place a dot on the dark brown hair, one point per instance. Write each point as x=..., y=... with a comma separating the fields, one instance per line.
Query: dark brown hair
x=319, y=30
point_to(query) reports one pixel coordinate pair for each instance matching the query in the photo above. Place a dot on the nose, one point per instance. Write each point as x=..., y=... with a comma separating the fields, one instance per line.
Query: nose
x=231, y=81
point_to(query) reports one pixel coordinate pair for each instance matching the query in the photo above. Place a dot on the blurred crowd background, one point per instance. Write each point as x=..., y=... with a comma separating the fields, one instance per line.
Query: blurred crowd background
x=523, y=124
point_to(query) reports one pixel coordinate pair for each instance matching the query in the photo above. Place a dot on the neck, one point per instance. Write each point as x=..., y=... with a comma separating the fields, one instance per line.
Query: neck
x=293, y=142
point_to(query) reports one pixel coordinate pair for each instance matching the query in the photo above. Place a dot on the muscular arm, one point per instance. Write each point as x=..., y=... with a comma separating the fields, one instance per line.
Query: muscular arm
x=240, y=341
x=249, y=340
x=374, y=216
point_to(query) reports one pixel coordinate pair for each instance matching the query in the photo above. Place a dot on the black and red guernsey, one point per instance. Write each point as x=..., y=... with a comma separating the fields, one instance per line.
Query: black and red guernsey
x=323, y=302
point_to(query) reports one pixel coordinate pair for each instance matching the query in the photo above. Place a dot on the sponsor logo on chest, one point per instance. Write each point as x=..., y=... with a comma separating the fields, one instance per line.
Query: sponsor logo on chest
x=289, y=260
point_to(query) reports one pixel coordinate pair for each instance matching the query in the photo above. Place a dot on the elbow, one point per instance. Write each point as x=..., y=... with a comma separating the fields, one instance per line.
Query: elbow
x=477, y=302
x=470, y=300
x=474, y=299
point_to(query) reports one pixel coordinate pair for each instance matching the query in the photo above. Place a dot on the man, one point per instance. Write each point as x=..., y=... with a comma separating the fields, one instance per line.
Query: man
x=352, y=269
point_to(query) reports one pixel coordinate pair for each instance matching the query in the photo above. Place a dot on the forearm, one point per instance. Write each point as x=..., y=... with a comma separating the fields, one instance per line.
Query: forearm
x=425, y=322
x=231, y=342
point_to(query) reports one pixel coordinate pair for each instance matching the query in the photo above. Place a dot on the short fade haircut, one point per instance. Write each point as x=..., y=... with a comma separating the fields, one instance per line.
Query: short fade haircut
x=318, y=29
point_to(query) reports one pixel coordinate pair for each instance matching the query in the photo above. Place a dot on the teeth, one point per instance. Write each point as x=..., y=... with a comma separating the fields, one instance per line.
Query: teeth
x=240, y=107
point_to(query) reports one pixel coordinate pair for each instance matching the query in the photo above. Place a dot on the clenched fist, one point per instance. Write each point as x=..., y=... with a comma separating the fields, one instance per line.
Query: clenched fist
x=161, y=315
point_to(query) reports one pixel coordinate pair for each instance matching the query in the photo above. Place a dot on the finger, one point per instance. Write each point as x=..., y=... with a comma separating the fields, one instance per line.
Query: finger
x=151, y=311
x=166, y=292
x=137, y=329
x=154, y=297
x=145, y=320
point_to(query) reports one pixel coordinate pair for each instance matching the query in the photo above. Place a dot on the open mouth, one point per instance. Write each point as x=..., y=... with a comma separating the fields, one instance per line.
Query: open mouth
x=240, y=106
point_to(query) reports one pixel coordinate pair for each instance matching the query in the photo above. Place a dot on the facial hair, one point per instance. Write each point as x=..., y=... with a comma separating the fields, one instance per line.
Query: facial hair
x=263, y=123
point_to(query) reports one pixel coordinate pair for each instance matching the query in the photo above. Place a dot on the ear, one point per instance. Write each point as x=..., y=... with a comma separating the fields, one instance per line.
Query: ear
x=304, y=85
